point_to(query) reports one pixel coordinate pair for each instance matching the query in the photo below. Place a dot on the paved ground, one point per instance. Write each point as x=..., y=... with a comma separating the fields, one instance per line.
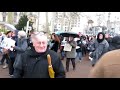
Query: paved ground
x=82, y=69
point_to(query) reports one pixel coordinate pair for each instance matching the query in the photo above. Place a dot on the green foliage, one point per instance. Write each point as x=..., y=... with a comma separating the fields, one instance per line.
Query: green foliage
x=10, y=17
x=22, y=22
x=3, y=30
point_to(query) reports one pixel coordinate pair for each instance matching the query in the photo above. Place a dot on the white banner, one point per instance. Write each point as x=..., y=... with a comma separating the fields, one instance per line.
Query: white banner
x=7, y=43
x=67, y=47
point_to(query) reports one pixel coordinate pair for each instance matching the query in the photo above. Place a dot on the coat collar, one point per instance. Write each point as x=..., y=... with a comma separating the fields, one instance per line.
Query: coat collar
x=33, y=53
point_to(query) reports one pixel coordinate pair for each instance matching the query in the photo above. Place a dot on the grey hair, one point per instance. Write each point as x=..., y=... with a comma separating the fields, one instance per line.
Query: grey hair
x=38, y=36
x=22, y=34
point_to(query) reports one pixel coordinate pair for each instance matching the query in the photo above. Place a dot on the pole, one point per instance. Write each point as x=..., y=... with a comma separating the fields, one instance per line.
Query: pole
x=38, y=21
x=27, y=26
x=47, y=26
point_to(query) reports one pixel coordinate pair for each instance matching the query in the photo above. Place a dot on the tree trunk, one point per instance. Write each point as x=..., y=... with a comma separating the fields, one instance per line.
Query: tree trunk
x=47, y=24
x=10, y=17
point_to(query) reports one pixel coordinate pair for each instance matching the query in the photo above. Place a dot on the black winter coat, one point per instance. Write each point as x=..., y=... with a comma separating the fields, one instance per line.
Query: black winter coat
x=79, y=43
x=115, y=43
x=35, y=65
x=55, y=46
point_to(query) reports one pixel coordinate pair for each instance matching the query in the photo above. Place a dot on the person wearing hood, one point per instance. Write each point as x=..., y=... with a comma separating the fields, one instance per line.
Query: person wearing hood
x=21, y=45
x=114, y=44
x=34, y=63
x=100, y=47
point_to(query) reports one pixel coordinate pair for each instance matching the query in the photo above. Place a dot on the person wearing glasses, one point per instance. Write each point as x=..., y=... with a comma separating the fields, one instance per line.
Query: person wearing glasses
x=34, y=63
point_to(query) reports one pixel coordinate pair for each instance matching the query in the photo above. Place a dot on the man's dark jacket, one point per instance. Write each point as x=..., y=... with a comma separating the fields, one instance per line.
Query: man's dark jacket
x=35, y=65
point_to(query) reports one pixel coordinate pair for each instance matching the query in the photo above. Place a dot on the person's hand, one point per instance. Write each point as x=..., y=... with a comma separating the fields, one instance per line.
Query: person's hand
x=5, y=50
x=12, y=46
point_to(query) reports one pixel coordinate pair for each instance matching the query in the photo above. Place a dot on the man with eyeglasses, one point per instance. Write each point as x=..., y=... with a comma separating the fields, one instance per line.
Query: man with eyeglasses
x=34, y=63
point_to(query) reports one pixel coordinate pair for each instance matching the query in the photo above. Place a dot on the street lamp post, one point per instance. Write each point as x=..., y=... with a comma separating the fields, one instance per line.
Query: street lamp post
x=37, y=23
x=108, y=22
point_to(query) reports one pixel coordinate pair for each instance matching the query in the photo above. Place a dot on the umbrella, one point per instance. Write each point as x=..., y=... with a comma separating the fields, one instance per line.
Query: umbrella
x=10, y=27
x=59, y=32
x=67, y=34
x=50, y=68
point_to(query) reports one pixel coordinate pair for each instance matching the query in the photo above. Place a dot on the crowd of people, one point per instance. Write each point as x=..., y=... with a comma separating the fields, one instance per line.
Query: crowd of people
x=27, y=58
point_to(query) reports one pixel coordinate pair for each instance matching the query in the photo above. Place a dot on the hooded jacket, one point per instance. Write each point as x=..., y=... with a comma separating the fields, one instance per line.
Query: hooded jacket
x=35, y=65
x=100, y=47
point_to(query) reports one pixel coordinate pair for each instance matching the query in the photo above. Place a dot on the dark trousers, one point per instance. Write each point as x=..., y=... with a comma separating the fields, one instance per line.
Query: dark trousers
x=68, y=61
x=10, y=65
x=93, y=65
x=5, y=56
x=84, y=51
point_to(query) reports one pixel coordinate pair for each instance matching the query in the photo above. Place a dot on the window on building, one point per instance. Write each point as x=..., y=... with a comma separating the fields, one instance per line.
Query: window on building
x=60, y=16
x=4, y=16
x=4, y=19
x=15, y=17
x=72, y=25
x=15, y=13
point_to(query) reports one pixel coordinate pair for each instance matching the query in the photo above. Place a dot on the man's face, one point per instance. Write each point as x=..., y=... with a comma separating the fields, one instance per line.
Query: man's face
x=40, y=44
x=13, y=34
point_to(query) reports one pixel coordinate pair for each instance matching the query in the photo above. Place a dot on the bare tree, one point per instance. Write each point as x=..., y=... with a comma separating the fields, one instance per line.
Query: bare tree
x=10, y=17
x=70, y=17
x=100, y=18
x=47, y=24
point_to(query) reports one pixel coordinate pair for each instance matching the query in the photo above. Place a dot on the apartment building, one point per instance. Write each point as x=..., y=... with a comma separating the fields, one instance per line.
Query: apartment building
x=66, y=23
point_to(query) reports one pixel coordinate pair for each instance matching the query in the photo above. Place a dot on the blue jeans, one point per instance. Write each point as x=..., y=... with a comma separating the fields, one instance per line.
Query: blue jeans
x=79, y=55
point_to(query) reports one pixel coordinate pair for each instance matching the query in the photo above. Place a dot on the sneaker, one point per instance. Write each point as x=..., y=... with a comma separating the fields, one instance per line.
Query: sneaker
x=11, y=75
x=5, y=66
x=90, y=58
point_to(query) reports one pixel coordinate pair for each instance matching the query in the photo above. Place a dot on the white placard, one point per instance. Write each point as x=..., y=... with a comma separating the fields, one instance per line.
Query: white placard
x=7, y=43
x=77, y=47
x=67, y=47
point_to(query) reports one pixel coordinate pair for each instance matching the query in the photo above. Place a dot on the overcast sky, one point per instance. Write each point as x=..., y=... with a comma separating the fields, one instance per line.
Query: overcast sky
x=92, y=15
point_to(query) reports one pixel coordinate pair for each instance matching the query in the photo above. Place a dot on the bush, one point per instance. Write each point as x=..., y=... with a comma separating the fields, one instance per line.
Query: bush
x=22, y=22
x=3, y=30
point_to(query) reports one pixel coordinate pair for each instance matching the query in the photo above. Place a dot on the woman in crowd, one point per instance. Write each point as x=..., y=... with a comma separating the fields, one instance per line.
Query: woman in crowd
x=55, y=42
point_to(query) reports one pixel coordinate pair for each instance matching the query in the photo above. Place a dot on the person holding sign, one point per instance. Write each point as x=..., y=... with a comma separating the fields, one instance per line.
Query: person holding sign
x=70, y=48
x=4, y=48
